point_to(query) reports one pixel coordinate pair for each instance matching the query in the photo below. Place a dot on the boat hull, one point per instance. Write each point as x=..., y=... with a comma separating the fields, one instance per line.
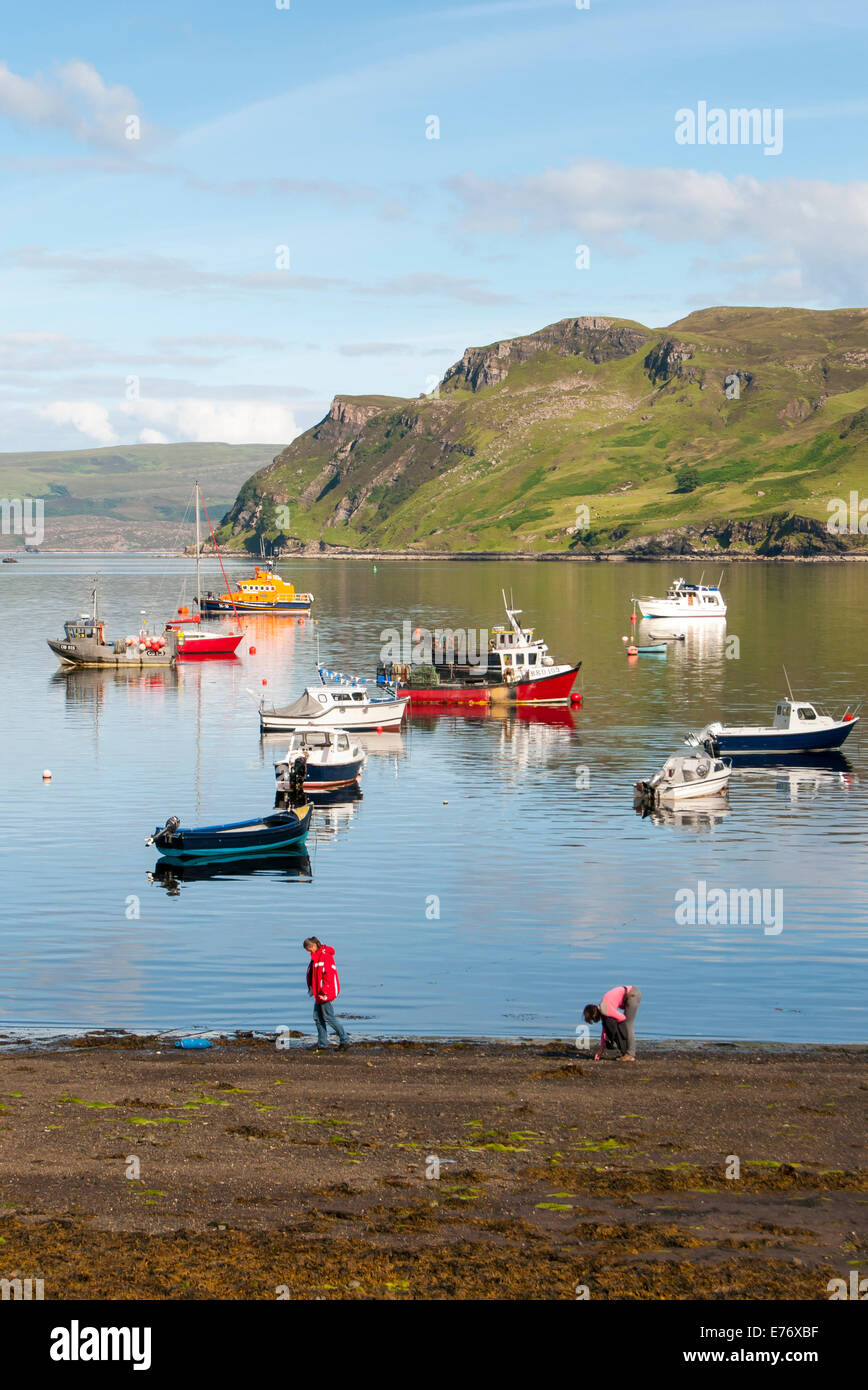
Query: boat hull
x=195, y=648
x=666, y=608
x=554, y=689
x=454, y=694
x=74, y=654
x=772, y=741
x=545, y=689
x=711, y=786
x=280, y=831
x=386, y=715
x=219, y=605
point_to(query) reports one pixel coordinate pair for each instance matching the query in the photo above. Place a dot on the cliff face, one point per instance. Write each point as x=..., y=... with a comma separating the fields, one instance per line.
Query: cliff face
x=577, y=438
x=596, y=340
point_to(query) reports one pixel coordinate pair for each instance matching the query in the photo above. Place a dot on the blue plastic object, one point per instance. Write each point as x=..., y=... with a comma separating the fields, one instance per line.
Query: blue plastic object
x=193, y=1042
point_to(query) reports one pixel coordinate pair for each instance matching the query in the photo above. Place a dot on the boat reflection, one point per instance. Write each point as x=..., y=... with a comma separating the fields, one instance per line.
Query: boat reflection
x=88, y=686
x=335, y=811
x=702, y=637
x=710, y=813
x=797, y=777
x=170, y=874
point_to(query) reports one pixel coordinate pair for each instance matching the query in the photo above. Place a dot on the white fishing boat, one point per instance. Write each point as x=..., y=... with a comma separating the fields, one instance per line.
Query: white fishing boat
x=684, y=778
x=329, y=759
x=341, y=702
x=685, y=600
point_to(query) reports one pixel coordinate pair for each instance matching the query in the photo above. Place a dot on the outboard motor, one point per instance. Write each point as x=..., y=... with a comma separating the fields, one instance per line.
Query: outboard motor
x=296, y=782
x=164, y=836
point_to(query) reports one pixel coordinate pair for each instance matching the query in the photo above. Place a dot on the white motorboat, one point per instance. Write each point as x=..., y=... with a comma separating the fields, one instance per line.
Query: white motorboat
x=342, y=702
x=685, y=600
x=329, y=759
x=684, y=778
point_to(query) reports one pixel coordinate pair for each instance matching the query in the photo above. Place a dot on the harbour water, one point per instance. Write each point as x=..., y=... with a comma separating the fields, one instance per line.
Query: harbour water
x=494, y=876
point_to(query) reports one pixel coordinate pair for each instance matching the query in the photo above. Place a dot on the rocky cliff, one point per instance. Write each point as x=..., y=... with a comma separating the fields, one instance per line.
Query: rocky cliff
x=732, y=430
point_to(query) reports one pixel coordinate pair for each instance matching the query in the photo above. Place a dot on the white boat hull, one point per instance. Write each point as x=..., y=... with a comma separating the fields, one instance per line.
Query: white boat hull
x=675, y=608
x=386, y=714
x=694, y=791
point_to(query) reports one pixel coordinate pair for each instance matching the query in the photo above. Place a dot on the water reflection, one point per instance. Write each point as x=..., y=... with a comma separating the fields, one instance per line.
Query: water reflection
x=169, y=874
x=713, y=810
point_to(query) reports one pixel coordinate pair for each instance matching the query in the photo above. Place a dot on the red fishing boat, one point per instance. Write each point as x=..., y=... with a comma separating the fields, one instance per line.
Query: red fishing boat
x=517, y=668
x=196, y=640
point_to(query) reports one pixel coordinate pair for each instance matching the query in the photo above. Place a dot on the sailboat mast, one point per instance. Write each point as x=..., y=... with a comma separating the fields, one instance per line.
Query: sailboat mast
x=198, y=547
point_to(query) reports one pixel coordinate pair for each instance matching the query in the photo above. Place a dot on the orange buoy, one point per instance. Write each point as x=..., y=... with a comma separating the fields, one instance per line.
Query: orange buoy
x=251, y=651
x=264, y=681
x=379, y=728
x=632, y=651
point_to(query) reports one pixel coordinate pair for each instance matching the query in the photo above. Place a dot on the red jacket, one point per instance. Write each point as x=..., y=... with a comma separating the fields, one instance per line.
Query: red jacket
x=322, y=976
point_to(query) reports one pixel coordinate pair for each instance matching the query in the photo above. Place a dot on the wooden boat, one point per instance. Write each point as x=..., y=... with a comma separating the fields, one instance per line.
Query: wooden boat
x=264, y=592
x=85, y=644
x=342, y=702
x=195, y=640
x=327, y=758
x=684, y=779
x=278, y=831
x=798, y=727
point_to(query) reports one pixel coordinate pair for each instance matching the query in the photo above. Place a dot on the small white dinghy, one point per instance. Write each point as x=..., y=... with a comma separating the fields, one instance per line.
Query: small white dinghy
x=684, y=778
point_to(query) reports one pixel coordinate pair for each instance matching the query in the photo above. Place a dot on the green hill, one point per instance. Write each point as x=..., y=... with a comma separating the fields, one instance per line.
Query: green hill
x=127, y=498
x=729, y=430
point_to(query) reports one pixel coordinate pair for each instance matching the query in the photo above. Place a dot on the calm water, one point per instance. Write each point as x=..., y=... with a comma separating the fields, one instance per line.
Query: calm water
x=548, y=893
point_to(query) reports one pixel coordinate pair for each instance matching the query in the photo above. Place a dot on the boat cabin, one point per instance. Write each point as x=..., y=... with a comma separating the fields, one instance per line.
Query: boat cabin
x=791, y=715
x=705, y=596
x=85, y=628
x=318, y=739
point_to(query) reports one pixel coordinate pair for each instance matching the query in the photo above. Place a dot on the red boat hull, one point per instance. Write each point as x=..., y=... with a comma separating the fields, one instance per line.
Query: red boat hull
x=547, y=688
x=222, y=644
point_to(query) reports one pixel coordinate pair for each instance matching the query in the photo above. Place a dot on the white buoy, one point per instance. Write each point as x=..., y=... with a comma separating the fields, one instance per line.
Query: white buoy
x=46, y=775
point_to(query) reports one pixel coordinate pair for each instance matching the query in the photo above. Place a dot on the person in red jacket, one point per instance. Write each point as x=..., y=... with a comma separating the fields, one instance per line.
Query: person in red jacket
x=324, y=985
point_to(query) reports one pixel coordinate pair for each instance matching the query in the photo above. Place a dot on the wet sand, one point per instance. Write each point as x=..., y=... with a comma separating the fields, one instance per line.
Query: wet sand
x=266, y=1173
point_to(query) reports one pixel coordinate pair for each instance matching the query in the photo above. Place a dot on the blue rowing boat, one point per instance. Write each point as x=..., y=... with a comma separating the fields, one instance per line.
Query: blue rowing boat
x=281, y=830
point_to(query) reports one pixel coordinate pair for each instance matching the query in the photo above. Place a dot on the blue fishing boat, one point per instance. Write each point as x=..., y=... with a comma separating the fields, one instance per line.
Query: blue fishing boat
x=798, y=727
x=280, y=831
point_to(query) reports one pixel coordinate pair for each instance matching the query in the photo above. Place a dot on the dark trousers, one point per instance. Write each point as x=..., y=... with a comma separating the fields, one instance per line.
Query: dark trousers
x=615, y=1032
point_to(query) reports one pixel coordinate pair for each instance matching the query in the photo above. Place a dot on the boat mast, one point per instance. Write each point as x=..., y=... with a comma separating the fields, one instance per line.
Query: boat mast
x=198, y=547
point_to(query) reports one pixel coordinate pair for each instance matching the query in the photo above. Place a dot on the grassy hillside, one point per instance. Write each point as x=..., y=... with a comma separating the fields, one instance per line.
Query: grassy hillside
x=769, y=407
x=127, y=498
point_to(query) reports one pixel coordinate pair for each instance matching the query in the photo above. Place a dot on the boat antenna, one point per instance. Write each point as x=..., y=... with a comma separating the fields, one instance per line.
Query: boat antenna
x=701, y=577
x=789, y=687
x=720, y=580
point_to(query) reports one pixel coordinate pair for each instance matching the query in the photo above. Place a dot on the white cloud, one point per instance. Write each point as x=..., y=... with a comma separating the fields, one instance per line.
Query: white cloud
x=86, y=416
x=74, y=98
x=155, y=421
x=201, y=421
x=817, y=227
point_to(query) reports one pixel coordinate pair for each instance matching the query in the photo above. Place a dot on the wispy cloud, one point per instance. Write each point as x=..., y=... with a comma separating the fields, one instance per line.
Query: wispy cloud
x=172, y=275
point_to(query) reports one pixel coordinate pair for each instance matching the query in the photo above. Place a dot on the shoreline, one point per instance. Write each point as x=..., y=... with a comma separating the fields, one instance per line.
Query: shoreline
x=725, y=557
x=67, y=1040
x=422, y=1170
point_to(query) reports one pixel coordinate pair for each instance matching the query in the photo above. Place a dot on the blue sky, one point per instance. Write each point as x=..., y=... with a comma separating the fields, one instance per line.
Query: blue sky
x=145, y=298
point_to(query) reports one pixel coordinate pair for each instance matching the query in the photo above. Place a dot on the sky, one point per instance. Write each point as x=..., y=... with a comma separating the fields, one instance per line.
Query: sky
x=218, y=214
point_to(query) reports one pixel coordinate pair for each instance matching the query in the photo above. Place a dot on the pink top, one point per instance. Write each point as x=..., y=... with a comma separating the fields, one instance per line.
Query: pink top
x=612, y=1000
